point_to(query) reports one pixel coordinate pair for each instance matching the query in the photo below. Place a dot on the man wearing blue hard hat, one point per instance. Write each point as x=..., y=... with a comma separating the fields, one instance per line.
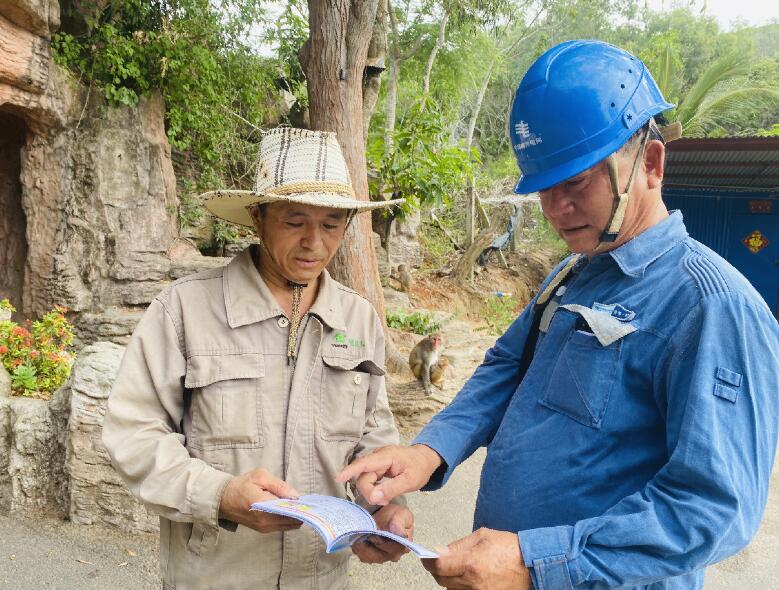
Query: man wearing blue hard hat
x=630, y=413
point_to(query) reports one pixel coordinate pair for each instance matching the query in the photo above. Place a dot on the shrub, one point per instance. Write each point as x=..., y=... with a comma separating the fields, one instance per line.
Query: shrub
x=36, y=354
x=499, y=313
x=417, y=322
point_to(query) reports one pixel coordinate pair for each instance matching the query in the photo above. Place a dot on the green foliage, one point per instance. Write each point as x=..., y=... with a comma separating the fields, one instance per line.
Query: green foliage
x=197, y=53
x=36, y=354
x=417, y=322
x=423, y=166
x=289, y=35
x=722, y=95
x=499, y=312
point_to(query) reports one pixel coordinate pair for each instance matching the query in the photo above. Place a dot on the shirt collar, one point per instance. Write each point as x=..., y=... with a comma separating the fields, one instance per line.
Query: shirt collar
x=633, y=257
x=328, y=303
x=248, y=298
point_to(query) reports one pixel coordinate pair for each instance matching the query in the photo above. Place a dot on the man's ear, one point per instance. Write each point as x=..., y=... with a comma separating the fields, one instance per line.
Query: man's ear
x=256, y=216
x=654, y=163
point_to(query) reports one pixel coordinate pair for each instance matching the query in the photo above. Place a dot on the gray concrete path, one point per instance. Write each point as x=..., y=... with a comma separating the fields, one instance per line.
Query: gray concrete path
x=48, y=554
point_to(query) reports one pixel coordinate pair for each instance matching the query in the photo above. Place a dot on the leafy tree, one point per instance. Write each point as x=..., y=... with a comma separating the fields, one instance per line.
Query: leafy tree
x=217, y=91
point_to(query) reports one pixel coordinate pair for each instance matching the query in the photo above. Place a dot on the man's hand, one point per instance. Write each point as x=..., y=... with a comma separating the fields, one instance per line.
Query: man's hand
x=375, y=549
x=407, y=470
x=256, y=486
x=484, y=560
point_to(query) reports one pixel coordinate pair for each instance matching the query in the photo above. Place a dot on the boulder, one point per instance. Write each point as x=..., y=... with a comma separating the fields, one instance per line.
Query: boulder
x=97, y=494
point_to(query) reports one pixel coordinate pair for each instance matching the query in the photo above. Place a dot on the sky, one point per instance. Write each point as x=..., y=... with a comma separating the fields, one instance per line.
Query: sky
x=754, y=12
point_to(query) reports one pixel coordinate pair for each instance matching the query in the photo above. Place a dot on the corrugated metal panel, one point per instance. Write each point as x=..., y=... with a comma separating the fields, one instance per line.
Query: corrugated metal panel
x=726, y=162
x=706, y=218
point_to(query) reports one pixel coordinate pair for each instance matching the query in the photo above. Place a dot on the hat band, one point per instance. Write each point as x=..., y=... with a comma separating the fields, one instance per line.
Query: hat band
x=310, y=187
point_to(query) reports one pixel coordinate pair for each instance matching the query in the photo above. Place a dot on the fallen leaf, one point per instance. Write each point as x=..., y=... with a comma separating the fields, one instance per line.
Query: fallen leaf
x=82, y=561
x=132, y=553
x=124, y=563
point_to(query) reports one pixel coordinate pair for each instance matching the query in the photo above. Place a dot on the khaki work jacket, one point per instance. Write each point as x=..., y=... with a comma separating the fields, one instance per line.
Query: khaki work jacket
x=205, y=392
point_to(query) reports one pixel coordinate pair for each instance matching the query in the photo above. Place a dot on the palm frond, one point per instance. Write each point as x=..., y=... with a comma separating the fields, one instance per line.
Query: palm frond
x=729, y=66
x=729, y=106
x=666, y=71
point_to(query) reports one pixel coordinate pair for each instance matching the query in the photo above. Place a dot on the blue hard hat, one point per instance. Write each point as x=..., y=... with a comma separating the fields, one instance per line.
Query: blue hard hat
x=578, y=103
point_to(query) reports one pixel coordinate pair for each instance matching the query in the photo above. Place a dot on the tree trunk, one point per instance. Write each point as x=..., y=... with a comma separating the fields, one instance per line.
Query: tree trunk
x=377, y=54
x=477, y=107
x=395, y=60
x=464, y=267
x=392, y=83
x=340, y=32
x=431, y=60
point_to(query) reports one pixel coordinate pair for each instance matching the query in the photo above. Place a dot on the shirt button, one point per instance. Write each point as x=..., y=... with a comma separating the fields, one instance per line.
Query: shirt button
x=357, y=379
x=283, y=322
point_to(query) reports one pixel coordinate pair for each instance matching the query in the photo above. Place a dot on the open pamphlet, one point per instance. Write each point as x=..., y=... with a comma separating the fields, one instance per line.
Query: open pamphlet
x=339, y=522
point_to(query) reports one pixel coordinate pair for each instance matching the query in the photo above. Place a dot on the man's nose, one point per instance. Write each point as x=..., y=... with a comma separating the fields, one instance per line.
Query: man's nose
x=556, y=202
x=313, y=237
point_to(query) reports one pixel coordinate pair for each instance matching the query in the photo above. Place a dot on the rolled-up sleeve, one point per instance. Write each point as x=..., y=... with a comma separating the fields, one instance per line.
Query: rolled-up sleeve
x=718, y=384
x=142, y=429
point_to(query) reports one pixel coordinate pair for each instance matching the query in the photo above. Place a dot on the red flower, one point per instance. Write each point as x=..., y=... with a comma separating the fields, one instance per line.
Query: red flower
x=3, y=349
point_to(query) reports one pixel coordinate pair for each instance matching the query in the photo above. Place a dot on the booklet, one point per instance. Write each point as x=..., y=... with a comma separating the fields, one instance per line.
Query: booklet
x=339, y=522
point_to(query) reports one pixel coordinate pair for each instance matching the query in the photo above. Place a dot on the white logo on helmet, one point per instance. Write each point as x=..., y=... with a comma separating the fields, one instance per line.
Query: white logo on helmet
x=522, y=129
x=527, y=138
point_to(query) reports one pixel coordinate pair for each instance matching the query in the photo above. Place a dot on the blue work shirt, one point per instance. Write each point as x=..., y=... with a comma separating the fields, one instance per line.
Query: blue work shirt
x=638, y=448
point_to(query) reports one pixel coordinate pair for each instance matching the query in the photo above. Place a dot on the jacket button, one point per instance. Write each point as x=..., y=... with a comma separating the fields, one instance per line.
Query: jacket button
x=283, y=322
x=358, y=379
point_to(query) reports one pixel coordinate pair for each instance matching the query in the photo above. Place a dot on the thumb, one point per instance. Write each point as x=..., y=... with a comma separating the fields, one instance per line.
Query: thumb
x=463, y=545
x=391, y=488
x=280, y=488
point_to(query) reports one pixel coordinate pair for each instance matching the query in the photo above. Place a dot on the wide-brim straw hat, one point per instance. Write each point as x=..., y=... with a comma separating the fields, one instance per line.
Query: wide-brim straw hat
x=298, y=166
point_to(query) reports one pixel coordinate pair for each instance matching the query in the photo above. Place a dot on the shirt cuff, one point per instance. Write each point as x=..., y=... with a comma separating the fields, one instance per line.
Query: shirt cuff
x=545, y=553
x=206, y=495
x=443, y=472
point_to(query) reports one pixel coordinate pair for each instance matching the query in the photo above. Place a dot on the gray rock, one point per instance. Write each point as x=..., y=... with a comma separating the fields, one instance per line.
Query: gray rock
x=32, y=455
x=97, y=494
x=395, y=300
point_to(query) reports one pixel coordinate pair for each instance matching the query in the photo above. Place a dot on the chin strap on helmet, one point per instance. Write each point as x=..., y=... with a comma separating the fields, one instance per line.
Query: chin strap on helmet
x=621, y=199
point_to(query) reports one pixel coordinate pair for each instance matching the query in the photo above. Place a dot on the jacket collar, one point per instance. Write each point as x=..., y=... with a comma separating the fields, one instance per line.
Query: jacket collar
x=635, y=256
x=248, y=298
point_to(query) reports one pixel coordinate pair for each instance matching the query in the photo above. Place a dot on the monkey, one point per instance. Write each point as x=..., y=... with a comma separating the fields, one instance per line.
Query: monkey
x=437, y=372
x=424, y=356
x=404, y=277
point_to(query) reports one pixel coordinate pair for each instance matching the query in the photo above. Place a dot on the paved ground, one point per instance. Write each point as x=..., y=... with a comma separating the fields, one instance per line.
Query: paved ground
x=48, y=554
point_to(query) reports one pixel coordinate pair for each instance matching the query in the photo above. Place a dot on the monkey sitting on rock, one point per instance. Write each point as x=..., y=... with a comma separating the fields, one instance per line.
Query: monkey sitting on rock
x=405, y=278
x=427, y=363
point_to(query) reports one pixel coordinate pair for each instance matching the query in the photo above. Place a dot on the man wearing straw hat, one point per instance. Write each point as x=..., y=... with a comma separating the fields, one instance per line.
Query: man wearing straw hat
x=256, y=380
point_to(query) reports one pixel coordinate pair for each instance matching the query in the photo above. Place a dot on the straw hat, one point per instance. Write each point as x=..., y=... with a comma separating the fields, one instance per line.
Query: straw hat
x=298, y=166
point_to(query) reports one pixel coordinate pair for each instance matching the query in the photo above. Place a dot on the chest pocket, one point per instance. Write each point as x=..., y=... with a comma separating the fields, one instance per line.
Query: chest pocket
x=226, y=402
x=584, y=373
x=344, y=396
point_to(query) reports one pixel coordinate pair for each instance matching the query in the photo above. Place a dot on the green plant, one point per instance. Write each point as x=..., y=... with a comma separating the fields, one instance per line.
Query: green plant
x=190, y=210
x=418, y=322
x=224, y=233
x=36, y=354
x=499, y=313
x=217, y=90
x=423, y=166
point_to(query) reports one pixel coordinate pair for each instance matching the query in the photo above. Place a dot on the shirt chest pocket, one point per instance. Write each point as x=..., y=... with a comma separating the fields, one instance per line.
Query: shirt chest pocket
x=344, y=397
x=582, y=378
x=226, y=404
